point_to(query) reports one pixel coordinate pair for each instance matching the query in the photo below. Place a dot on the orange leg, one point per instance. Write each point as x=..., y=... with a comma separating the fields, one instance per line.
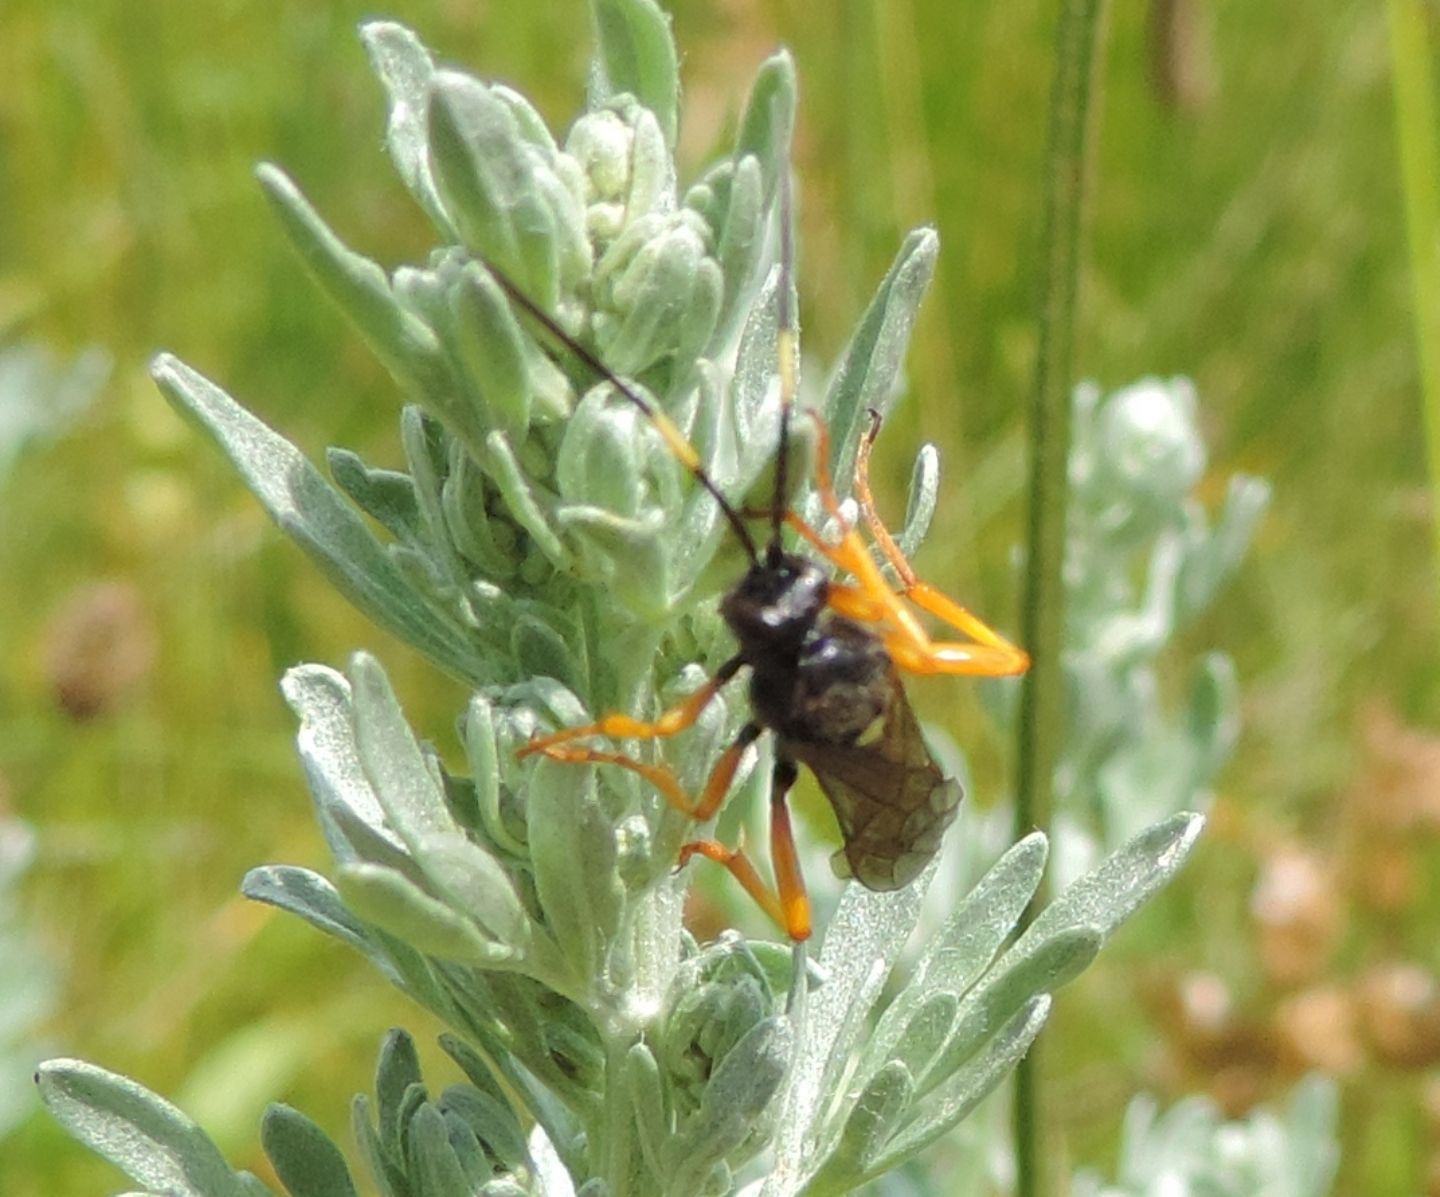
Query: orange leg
x=990, y=654
x=871, y=600
x=791, y=908
x=623, y=727
x=663, y=778
x=788, y=904
x=783, y=857
x=742, y=869
x=855, y=603
x=867, y=505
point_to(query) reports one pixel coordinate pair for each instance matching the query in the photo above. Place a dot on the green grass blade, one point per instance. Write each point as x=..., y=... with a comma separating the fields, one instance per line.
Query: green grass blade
x=1416, y=132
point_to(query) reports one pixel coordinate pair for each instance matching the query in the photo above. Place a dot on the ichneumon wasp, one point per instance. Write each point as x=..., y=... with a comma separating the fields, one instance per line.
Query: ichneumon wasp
x=824, y=657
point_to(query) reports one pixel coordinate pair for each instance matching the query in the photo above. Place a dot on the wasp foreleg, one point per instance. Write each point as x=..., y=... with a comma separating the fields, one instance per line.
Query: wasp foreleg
x=625, y=727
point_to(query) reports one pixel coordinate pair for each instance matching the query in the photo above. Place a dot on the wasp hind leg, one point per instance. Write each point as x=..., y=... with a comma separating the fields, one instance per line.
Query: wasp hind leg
x=871, y=599
x=787, y=904
x=988, y=654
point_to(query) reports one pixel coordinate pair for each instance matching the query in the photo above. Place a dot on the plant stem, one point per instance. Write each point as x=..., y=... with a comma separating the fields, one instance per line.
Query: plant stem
x=1415, y=132
x=1042, y=723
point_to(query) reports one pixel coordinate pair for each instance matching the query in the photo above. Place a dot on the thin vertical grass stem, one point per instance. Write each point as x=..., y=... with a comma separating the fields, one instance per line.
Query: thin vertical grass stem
x=1068, y=166
x=1416, y=133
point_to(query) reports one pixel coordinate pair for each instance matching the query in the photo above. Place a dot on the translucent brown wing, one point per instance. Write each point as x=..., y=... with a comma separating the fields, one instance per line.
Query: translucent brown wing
x=891, y=800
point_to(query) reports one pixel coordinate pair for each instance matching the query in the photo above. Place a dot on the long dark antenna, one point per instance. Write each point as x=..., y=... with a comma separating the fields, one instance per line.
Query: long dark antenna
x=785, y=352
x=662, y=423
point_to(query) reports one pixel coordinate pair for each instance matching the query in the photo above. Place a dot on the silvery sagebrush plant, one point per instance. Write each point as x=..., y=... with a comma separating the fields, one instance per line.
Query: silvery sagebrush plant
x=541, y=544
x=1191, y=1148
x=1143, y=558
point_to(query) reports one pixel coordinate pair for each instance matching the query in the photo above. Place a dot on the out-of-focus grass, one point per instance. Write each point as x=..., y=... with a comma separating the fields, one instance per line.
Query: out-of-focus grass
x=1417, y=129
x=1249, y=236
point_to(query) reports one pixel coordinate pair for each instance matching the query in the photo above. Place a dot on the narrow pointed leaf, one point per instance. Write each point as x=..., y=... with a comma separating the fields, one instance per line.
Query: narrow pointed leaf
x=397, y=1072
x=432, y=1162
x=385, y=1174
x=968, y=1087
x=351, y=816
x=143, y=1135
x=484, y=168
x=306, y=1161
x=1014, y=981
x=864, y=939
x=360, y=289
x=410, y=794
x=311, y=897
x=881, y=1105
x=317, y=517
x=1121, y=884
x=505, y=471
x=769, y=121
x=493, y=1122
x=967, y=942
x=386, y=495
x=396, y=905
x=924, y=494
x=406, y=68
x=474, y=882
x=876, y=353
x=647, y=1105
x=573, y=848
x=636, y=54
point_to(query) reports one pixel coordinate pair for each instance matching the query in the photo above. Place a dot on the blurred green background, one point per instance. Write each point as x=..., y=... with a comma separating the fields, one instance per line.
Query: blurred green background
x=1246, y=231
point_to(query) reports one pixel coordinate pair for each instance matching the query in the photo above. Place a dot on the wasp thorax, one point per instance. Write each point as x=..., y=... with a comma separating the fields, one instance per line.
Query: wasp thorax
x=775, y=605
x=844, y=685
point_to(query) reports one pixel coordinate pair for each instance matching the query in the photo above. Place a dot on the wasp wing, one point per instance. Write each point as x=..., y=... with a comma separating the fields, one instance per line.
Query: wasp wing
x=890, y=798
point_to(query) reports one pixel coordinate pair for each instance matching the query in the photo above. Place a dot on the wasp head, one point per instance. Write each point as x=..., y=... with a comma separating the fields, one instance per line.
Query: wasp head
x=775, y=605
